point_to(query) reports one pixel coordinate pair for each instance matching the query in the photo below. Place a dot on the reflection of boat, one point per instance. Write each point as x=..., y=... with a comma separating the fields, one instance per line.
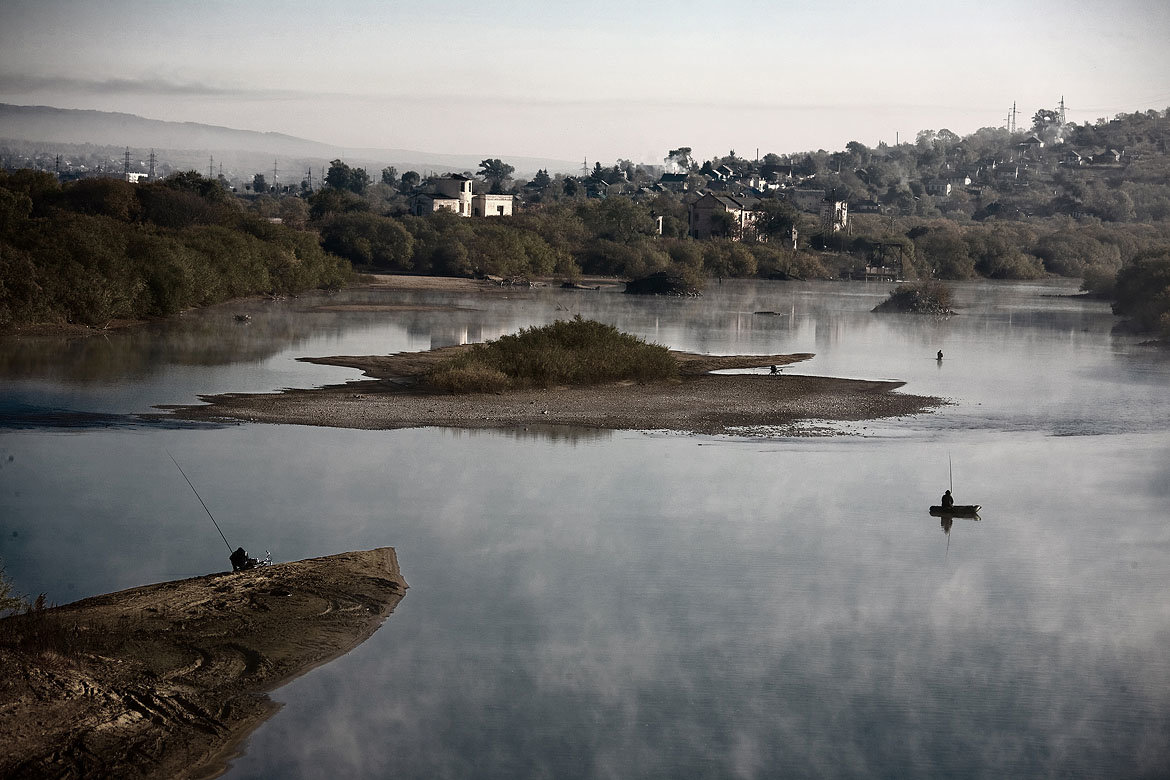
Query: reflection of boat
x=958, y=510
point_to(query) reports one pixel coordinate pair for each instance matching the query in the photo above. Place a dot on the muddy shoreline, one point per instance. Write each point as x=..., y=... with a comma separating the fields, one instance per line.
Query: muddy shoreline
x=167, y=680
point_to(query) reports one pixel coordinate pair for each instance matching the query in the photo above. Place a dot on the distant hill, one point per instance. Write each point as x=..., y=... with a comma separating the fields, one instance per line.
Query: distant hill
x=47, y=125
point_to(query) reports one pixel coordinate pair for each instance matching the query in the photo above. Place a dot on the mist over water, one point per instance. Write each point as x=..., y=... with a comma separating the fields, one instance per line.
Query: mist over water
x=626, y=604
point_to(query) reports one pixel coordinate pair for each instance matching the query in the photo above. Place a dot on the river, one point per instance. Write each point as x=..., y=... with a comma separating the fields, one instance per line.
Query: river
x=644, y=604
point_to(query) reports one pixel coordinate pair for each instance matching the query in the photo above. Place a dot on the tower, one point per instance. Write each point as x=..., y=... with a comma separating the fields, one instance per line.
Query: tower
x=150, y=171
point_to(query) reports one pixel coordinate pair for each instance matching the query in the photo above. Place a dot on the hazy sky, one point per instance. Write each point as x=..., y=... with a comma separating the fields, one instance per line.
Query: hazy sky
x=600, y=79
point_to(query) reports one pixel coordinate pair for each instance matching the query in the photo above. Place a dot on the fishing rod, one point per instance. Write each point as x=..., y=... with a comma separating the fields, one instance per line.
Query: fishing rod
x=205, y=509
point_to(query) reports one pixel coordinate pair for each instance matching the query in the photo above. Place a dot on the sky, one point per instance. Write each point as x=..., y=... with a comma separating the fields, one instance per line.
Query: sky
x=599, y=80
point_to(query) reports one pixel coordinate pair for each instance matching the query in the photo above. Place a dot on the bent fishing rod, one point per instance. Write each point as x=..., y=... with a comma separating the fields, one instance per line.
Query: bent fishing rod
x=205, y=509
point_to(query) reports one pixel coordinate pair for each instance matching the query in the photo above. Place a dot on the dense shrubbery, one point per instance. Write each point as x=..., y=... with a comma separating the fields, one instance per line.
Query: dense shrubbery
x=103, y=249
x=1142, y=291
x=569, y=352
x=926, y=297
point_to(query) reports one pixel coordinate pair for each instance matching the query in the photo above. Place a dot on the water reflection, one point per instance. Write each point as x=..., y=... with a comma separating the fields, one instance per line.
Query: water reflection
x=601, y=604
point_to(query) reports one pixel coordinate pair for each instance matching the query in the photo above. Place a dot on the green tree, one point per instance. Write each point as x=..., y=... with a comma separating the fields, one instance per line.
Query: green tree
x=390, y=176
x=410, y=180
x=495, y=172
x=259, y=184
x=775, y=219
x=343, y=177
x=370, y=240
x=1143, y=290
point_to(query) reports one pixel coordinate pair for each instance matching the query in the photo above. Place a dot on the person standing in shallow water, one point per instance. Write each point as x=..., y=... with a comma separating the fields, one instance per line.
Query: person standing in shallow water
x=940, y=354
x=947, y=500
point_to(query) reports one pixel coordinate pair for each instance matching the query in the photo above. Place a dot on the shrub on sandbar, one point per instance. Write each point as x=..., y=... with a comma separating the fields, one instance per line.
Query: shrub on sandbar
x=567, y=352
x=925, y=297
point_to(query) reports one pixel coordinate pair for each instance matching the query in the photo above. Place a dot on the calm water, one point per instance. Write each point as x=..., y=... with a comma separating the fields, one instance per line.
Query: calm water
x=594, y=604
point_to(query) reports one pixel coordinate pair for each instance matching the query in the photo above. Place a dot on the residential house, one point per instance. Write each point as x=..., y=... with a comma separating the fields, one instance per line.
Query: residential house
x=939, y=188
x=700, y=213
x=451, y=193
x=485, y=205
x=724, y=172
x=455, y=193
x=1108, y=157
x=1030, y=146
x=865, y=207
x=429, y=202
x=673, y=182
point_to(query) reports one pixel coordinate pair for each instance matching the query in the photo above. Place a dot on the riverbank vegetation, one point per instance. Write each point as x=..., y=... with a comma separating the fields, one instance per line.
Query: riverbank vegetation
x=567, y=352
x=102, y=249
x=1082, y=201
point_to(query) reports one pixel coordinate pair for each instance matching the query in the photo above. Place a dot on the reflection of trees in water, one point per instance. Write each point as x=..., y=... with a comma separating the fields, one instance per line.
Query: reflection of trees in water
x=562, y=434
x=200, y=339
x=210, y=337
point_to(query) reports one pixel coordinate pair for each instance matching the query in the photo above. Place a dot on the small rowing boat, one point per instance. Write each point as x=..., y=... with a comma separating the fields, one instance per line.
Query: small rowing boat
x=958, y=510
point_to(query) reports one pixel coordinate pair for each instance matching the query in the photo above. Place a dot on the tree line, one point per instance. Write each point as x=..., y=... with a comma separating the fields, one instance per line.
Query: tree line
x=102, y=249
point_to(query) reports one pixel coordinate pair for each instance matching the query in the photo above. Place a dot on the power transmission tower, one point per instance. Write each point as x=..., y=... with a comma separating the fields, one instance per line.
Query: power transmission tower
x=585, y=167
x=126, y=164
x=274, y=174
x=211, y=167
x=150, y=173
x=309, y=178
x=1062, y=119
x=1013, y=127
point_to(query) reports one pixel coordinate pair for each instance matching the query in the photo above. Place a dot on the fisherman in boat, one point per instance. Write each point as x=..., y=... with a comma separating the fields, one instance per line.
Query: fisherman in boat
x=947, y=500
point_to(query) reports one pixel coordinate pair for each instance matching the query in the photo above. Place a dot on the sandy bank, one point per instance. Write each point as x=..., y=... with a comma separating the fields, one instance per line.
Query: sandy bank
x=166, y=680
x=698, y=402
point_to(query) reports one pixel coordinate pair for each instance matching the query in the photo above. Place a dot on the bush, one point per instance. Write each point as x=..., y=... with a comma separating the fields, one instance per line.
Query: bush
x=573, y=352
x=1143, y=291
x=926, y=297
